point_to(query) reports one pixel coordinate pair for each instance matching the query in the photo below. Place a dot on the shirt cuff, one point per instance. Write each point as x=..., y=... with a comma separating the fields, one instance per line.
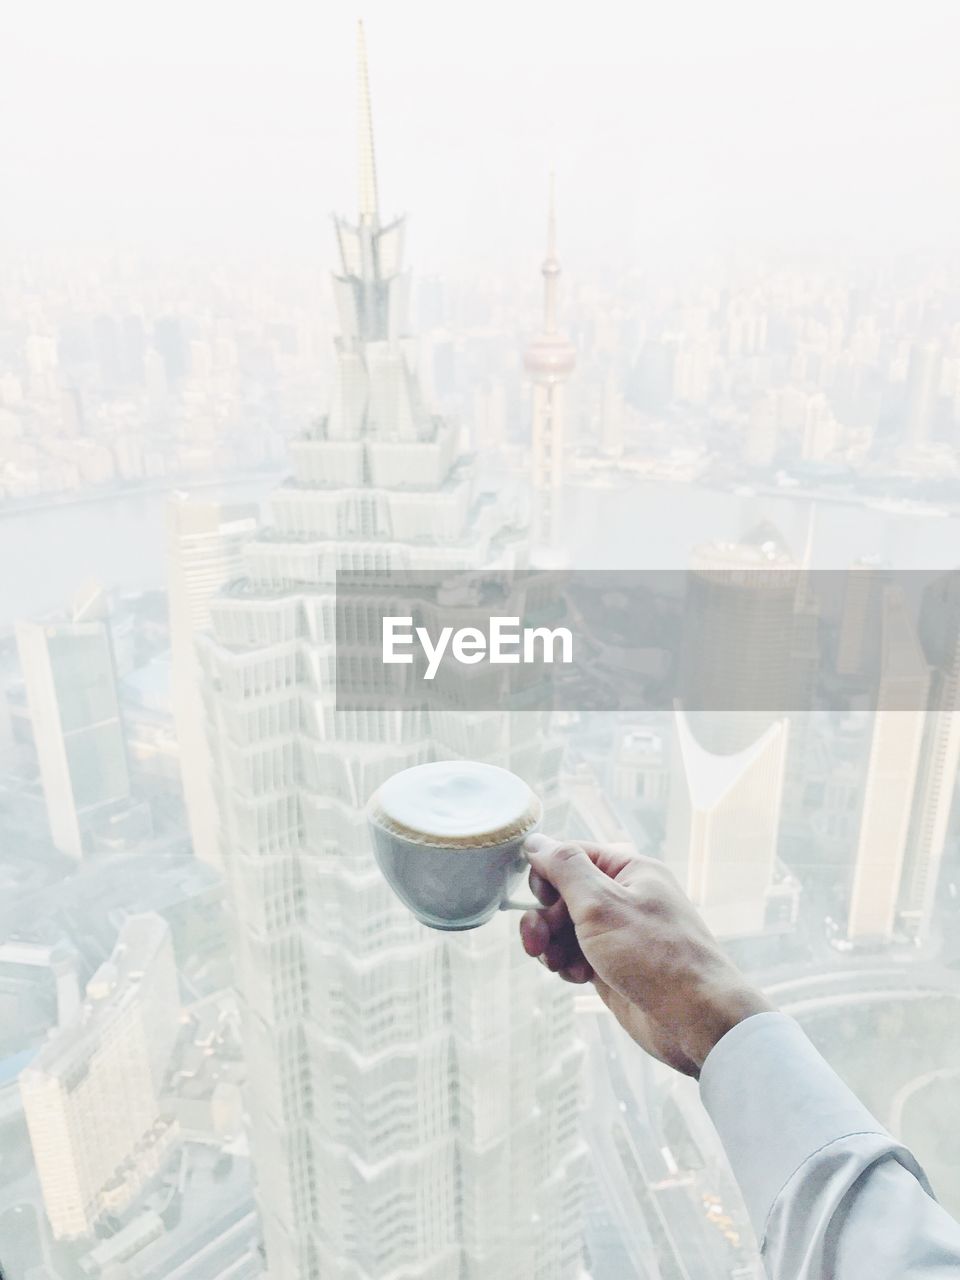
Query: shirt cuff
x=774, y=1101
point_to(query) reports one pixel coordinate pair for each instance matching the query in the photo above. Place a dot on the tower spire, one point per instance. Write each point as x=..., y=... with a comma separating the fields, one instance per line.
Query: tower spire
x=549, y=360
x=551, y=265
x=552, y=216
x=367, y=158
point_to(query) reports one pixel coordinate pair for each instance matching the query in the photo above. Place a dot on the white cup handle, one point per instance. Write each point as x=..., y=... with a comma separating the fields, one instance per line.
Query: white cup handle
x=520, y=904
x=514, y=903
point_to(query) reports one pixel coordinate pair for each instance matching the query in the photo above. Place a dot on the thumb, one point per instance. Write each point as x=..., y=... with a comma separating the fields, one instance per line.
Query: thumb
x=569, y=868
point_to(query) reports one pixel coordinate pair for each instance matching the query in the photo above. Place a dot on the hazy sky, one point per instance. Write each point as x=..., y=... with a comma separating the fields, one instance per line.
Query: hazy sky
x=201, y=123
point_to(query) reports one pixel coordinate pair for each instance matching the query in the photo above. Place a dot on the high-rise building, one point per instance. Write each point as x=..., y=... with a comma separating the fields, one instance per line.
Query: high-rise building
x=762, y=433
x=39, y=989
x=70, y=678
x=861, y=620
x=729, y=764
x=740, y=628
x=939, y=757
x=922, y=392
x=891, y=775
x=821, y=431
x=91, y=1096
x=611, y=417
x=413, y=1095
x=722, y=824
x=204, y=545
x=549, y=360
x=639, y=768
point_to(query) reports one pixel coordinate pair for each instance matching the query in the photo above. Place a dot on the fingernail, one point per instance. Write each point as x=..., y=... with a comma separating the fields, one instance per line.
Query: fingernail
x=537, y=842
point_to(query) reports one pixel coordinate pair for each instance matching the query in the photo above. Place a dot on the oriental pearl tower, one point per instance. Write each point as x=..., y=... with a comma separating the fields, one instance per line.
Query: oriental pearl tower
x=549, y=360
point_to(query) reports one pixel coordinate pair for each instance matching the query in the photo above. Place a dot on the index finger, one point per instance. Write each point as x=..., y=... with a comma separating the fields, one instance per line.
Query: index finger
x=542, y=889
x=610, y=858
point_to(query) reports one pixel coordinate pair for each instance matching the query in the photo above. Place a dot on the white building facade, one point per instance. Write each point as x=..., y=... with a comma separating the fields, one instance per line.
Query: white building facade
x=939, y=760
x=891, y=775
x=71, y=682
x=722, y=824
x=205, y=542
x=413, y=1095
x=92, y=1095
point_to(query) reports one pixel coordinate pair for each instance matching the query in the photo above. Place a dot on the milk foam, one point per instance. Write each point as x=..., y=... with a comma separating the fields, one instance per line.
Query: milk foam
x=455, y=804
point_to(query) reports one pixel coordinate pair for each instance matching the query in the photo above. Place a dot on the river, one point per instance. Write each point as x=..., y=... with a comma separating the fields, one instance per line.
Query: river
x=46, y=554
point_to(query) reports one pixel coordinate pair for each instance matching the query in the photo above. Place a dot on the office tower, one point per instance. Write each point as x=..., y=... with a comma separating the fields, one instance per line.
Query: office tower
x=639, y=768
x=611, y=417
x=39, y=989
x=42, y=365
x=739, y=631
x=72, y=421
x=762, y=431
x=722, y=823
x=91, y=1095
x=412, y=1095
x=861, y=617
x=891, y=775
x=939, y=757
x=171, y=343
x=922, y=392
x=71, y=685
x=821, y=431
x=204, y=545
x=747, y=660
x=651, y=384
x=549, y=360
x=692, y=371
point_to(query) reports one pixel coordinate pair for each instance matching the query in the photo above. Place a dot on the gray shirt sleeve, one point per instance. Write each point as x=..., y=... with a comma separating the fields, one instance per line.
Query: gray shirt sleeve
x=830, y=1193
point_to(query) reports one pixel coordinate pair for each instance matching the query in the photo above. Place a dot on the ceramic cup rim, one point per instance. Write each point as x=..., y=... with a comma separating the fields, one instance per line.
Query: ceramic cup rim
x=465, y=844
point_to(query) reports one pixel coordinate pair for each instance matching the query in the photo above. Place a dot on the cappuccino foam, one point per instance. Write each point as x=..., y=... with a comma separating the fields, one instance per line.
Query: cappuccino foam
x=455, y=804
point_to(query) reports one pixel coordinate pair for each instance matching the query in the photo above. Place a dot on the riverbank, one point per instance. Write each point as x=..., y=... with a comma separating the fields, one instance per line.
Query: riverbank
x=112, y=493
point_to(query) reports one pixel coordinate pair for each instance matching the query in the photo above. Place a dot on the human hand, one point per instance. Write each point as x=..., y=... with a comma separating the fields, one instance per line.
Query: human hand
x=620, y=920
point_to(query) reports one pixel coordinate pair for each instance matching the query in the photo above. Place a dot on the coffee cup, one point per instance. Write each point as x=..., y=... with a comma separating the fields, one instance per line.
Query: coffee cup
x=449, y=837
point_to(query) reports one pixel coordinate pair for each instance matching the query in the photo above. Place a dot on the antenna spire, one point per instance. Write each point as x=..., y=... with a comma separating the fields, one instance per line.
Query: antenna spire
x=551, y=265
x=552, y=216
x=368, y=164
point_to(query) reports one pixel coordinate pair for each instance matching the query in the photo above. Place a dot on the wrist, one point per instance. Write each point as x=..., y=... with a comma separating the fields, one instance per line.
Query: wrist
x=718, y=1008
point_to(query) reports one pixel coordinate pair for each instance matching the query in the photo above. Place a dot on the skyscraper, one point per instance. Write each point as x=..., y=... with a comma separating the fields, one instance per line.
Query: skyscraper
x=747, y=662
x=922, y=392
x=891, y=775
x=204, y=544
x=611, y=417
x=413, y=1095
x=549, y=360
x=861, y=621
x=739, y=633
x=71, y=684
x=722, y=824
x=92, y=1094
x=939, y=757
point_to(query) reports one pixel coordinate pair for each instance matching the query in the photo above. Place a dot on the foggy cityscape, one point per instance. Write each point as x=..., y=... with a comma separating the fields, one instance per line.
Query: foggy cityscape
x=226, y=1050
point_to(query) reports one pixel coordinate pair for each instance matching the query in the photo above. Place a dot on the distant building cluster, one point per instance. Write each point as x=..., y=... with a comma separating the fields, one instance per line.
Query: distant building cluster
x=799, y=372
x=792, y=378
x=124, y=378
x=753, y=374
